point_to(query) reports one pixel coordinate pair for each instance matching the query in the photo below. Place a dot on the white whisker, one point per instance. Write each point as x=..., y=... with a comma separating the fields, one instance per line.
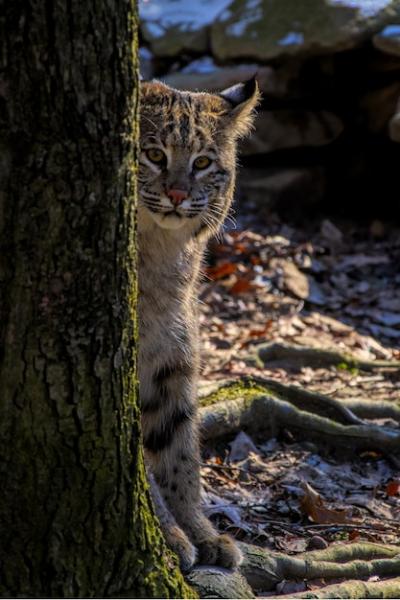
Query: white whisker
x=142, y=116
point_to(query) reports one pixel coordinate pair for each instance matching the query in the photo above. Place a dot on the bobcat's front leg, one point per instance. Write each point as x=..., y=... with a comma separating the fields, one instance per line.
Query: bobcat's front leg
x=175, y=537
x=171, y=442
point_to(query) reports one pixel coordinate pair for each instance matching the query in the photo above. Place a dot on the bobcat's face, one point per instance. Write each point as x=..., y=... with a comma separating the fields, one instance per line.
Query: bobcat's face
x=188, y=152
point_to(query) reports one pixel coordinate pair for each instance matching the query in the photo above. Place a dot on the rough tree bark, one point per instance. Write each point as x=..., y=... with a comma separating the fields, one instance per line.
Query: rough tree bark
x=74, y=509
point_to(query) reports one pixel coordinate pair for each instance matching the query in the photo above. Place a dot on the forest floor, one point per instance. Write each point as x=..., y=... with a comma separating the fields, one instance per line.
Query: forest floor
x=329, y=285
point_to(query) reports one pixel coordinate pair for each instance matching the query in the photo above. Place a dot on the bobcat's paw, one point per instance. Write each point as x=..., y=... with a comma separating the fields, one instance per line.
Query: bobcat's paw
x=220, y=550
x=179, y=543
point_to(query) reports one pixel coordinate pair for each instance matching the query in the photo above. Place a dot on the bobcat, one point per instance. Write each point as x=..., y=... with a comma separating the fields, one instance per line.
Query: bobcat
x=186, y=181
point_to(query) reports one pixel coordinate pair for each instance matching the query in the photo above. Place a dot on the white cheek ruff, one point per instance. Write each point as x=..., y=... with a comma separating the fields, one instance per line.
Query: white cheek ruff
x=186, y=204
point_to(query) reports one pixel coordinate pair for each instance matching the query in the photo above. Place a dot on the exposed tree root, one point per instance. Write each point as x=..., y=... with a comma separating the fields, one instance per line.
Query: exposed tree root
x=341, y=410
x=213, y=582
x=318, y=357
x=355, y=551
x=371, y=409
x=263, y=570
x=264, y=406
x=353, y=589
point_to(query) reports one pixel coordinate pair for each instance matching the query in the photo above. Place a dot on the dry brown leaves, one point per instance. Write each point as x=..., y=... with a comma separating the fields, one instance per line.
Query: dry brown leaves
x=298, y=286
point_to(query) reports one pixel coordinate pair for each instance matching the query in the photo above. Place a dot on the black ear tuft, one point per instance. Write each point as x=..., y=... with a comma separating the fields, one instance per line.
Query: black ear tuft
x=241, y=92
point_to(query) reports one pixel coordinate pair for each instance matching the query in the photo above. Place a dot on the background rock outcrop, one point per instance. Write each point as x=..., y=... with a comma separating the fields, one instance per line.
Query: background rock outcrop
x=329, y=126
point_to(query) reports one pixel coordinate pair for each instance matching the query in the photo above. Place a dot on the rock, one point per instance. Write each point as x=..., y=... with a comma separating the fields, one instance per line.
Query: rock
x=292, y=128
x=204, y=74
x=171, y=28
x=267, y=29
x=285, y=188
x=388, y=40
x=317, y=543
x=241, y=447
x=300, y=285
x=172, y=41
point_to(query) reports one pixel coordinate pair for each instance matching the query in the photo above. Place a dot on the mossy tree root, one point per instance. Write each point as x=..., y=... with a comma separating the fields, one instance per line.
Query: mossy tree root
x=214, y=582
x=351, y=410
x=352, y=589
x=264, y=406
x=320, y=358
x=263, y=570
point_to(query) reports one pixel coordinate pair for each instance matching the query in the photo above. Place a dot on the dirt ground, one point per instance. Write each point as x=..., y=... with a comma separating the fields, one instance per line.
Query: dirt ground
x=327, y=284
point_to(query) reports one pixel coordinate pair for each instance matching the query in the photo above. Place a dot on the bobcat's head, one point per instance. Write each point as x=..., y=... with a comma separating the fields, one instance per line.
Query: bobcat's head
x=188, y=152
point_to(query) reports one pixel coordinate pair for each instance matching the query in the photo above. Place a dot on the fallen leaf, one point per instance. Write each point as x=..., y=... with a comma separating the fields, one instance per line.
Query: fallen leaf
x=241, y=447
x=241, y=285
x=291, y=543
x=370, y=454
x=393, y=487
x=257, y=333
x=240, y=248
x=313, y=505
x=214, y=505
x=221, y=270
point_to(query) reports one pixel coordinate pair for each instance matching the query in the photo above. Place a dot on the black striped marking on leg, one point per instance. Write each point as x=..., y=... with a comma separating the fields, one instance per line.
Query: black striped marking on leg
x=163, y=375
x=161, y=379
x=162, y=436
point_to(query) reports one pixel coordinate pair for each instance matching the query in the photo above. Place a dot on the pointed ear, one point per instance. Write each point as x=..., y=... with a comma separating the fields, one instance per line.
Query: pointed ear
x=243, y=98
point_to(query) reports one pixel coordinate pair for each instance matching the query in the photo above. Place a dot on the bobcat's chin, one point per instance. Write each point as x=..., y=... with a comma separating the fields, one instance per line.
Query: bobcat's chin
x=170, y=221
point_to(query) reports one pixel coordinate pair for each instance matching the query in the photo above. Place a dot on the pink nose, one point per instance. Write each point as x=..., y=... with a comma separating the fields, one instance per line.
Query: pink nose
x=177, y=196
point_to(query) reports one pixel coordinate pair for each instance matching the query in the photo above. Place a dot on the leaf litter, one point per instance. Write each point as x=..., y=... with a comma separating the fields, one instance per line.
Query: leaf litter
x=332, y=286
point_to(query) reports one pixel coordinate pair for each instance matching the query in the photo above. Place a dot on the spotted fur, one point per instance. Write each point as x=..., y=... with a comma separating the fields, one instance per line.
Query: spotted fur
x=178, y=128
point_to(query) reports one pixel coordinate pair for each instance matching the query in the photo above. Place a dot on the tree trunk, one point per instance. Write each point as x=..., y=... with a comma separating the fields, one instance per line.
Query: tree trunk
x=74, y=509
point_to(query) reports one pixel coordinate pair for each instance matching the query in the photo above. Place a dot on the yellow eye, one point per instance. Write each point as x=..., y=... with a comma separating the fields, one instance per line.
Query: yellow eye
x=202, y=162
x=155, y=155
